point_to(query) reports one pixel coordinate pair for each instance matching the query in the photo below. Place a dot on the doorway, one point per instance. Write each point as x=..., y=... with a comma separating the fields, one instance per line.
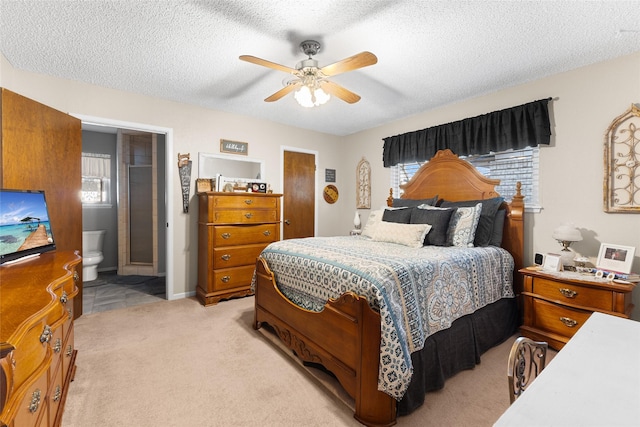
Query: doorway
x=299, y=195
x=165, y=239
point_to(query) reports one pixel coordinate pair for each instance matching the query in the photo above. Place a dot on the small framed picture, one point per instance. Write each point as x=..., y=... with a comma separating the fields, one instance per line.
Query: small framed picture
x=552, y=262
x=615, y=258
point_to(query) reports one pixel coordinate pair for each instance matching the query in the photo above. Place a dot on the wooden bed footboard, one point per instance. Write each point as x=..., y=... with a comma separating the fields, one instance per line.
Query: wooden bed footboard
x=344, y=338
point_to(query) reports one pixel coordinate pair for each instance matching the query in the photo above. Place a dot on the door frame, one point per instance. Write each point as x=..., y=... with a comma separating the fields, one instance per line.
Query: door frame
x=169, y=178
x=284, y=148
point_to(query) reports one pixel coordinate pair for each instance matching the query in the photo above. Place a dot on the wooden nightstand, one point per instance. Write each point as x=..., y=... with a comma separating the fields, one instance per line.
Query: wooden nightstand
x=556, y=305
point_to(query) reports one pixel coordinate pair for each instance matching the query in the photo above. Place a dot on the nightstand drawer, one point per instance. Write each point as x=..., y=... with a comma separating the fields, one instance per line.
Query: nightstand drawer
x=558, y=319
x=574, y=294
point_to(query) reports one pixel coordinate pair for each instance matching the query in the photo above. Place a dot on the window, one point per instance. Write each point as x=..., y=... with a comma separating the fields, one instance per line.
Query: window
x=508, y=166
x=96, y=179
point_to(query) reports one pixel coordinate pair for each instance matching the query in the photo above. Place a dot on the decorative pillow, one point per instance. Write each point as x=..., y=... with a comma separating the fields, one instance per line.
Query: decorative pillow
x=463, y=225
x=375, y=217
x=398, y=203
x=411, y=235
x=402, y=215
x=485, y=225
x=498, y=228
x=439, y=221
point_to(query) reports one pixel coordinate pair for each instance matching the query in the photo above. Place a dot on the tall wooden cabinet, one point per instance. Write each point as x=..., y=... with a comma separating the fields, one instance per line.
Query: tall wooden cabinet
x=37, y=353
x=233, y=228
x=41, y=149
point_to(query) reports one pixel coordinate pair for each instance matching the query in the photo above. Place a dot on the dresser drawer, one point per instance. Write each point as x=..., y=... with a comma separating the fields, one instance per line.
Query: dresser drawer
x=232, y=235
x=244, y=202
x=33, y=405
x=229, y=278
x=30, y=354
x=234, y=256
x=245, y=216
x=558, y=319
x=67, y=353
x=574, y=294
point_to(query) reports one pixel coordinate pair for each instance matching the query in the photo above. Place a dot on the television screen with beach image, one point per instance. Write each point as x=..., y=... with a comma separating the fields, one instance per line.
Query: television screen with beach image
x=24, y=225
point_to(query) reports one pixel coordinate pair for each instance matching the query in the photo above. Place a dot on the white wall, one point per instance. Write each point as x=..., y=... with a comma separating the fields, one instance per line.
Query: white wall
x=585, y=101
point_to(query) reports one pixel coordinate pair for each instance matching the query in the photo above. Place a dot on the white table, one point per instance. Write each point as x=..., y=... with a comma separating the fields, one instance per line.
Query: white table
x=593, y=381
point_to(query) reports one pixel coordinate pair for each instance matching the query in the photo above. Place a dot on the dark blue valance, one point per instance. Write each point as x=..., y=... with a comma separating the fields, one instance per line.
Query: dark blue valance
x=518, y=127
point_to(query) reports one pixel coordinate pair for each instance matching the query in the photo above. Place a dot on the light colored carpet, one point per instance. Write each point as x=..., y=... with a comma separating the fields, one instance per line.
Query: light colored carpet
x=177, y=363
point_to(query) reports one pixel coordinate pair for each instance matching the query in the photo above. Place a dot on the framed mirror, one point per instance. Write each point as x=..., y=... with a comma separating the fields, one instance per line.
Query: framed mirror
x=245, y=168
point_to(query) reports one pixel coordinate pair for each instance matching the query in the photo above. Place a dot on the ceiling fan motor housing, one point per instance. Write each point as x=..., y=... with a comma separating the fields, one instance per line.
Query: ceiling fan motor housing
x=310, y=47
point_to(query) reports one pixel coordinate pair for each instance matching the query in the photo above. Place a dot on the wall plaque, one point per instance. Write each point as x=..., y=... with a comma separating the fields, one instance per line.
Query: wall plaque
x=234, y=147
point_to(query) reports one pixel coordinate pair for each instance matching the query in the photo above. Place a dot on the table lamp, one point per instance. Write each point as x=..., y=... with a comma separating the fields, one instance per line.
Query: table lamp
x=566, y=234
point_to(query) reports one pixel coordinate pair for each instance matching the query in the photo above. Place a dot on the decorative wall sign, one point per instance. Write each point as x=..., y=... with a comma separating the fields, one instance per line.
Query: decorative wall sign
x=330, y=194
x=622, y=163
x=184, y=171
x=330, y=175
x=234, y=147
x=363, y=185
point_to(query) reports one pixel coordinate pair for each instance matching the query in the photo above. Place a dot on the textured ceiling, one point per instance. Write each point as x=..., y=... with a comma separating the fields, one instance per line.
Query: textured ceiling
x=430, y=53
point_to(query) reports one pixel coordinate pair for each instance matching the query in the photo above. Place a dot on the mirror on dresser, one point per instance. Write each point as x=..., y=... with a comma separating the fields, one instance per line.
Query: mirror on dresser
x=210, y=165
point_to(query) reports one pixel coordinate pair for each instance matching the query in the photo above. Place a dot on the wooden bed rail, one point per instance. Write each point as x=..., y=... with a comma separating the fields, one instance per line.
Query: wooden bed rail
x=347, y=326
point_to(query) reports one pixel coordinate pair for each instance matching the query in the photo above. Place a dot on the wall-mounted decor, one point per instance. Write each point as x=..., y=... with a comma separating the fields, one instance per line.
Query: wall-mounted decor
x=622, y=163
x=330, y=175
x=184, y=171
x=234, y=147
x=330, y=194
x=363, y=185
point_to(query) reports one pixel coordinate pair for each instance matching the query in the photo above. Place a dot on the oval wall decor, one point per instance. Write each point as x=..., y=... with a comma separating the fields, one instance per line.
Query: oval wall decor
x=330, y=194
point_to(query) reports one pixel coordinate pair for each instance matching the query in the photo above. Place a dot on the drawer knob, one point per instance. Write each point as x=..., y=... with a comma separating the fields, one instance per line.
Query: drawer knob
x=69, y=350
x=70, y=314
x=64, y=298
x=225, y=279
x=226, y=235
x=46, y=334
x=76, y=277
x=568, y=322
x=57, y=394
x=266, y=233
x=569, y=293
x=248, y=215
x=58, y=346
x=248, y=201
x=226, y=257
x=35, y=401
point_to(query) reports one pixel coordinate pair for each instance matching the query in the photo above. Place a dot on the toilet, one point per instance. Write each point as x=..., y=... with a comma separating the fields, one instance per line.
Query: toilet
x=91, y=253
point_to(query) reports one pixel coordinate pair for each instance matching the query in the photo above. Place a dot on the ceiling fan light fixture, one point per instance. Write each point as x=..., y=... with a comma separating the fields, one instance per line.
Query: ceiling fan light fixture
x=311, y=97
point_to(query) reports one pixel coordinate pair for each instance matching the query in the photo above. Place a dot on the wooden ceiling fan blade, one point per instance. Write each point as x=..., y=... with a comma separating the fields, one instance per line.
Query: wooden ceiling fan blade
x=339, y=92
x=268, y=64
x=359, y=60
x=284, y=91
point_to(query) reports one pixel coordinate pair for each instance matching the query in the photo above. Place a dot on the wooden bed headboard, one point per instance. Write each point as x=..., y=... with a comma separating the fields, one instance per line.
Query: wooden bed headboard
x=454, y=179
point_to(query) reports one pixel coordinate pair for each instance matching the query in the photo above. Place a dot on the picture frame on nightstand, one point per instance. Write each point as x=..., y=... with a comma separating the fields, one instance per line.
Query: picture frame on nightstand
x=615, y=258
x=552, y=262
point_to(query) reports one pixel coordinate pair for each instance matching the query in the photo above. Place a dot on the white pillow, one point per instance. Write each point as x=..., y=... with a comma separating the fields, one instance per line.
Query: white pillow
x=375, y=217
x=463, y=225
x=411, y=235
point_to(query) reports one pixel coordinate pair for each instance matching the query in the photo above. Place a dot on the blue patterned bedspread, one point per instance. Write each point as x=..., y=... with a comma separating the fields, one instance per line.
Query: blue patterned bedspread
x=417, y=292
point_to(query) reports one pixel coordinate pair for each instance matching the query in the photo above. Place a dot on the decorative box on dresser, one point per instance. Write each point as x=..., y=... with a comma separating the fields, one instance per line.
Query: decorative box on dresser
x=233, y=228
x=556, y=305
x=37, y=354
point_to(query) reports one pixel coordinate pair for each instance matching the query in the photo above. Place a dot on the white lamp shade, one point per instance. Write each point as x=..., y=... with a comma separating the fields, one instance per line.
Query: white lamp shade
x=567, y=233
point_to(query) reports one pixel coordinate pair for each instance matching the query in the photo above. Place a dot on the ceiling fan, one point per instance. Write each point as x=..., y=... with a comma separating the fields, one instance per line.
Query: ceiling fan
x=310, y=81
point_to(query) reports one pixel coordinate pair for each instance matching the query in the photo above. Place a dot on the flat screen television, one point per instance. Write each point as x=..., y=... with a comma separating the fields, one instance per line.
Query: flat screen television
x=24, y=224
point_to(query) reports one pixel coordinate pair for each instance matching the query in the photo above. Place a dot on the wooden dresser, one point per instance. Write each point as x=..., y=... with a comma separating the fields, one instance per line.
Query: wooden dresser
x=233, y=228
x=556, y=305
x=37, y=354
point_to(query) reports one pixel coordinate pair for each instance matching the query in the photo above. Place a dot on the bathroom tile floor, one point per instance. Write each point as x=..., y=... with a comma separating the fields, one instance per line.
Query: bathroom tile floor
x=110, y=291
